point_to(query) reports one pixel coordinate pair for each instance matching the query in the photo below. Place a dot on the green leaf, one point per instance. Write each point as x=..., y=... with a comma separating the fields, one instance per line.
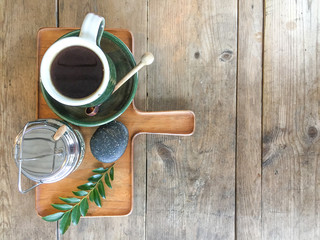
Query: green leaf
x=53, y=217
x=91, y=196
x=112, y=173
x=96, y=196
x=63, y=207
x=107, y=180
x=84, y=206
x=100, y=170
x=95, y=178
x=65, y=222
x=75, y=215
x=80, y=193
x=87, y=186
x=70, y=200
x=75, y=207
x=101, y=190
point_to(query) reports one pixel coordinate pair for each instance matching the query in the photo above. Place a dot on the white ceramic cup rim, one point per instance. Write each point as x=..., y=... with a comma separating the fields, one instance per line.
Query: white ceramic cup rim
x=50, y=55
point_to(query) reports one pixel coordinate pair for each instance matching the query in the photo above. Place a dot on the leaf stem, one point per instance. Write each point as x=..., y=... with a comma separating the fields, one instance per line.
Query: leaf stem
x=95, y=186
x=93, y=189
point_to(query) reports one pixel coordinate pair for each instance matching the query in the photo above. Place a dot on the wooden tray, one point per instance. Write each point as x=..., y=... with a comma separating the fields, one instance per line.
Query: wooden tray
x=119, y=199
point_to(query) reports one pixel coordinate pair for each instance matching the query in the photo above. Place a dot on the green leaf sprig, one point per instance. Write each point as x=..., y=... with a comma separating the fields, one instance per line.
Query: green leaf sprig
x=74, y=207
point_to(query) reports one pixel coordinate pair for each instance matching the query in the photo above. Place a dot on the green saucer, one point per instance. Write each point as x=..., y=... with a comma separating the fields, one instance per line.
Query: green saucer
x=118, y=102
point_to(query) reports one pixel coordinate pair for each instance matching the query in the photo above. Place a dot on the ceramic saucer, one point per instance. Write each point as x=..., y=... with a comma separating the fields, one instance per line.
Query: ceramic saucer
x=118, y=102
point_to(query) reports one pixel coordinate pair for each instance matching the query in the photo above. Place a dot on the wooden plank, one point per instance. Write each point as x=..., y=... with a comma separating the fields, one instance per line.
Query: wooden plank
x=291, y=120
x=191, y=180
x=20, y=21
x=249, y=114
x=131, y=15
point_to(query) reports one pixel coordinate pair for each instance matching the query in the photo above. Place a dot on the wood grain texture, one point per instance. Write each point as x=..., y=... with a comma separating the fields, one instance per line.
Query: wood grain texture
x=290, y=179
x=20, y=21
x=131, y=15
x=249, y=114
x=191, y=181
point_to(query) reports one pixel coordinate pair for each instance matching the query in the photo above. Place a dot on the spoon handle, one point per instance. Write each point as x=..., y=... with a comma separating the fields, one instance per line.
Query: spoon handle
x=146, y=59
x=128, y=76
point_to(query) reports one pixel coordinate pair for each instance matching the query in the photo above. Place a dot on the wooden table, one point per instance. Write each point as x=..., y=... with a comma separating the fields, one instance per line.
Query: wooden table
x=249, y=71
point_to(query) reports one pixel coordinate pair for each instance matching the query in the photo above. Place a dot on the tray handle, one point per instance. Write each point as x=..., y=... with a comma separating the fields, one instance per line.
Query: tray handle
x=167, y=122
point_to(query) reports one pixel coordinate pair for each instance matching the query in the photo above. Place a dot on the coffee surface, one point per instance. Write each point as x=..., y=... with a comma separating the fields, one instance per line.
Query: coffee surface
x=76, y=72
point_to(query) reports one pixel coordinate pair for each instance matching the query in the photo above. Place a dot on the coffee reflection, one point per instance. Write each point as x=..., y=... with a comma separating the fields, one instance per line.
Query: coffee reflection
x=76, y=72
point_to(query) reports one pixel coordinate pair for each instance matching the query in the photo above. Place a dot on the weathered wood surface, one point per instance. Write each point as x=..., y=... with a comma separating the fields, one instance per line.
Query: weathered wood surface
x=209, y=57
x=249, y=113
x=19, y=21
x=290, y=180
x=191, y=181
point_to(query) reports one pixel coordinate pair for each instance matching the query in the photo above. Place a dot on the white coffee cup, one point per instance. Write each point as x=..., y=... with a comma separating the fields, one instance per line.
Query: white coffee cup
x=89, y=38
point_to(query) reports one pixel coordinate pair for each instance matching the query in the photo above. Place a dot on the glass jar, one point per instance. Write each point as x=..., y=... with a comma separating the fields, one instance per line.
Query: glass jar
x=43, y=159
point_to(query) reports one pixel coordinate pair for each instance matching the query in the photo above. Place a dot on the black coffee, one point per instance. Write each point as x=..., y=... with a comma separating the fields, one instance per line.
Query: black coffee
x=76, y=72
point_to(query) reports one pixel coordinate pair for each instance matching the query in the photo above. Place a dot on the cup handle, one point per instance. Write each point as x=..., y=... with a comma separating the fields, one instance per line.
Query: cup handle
x=92, y=28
